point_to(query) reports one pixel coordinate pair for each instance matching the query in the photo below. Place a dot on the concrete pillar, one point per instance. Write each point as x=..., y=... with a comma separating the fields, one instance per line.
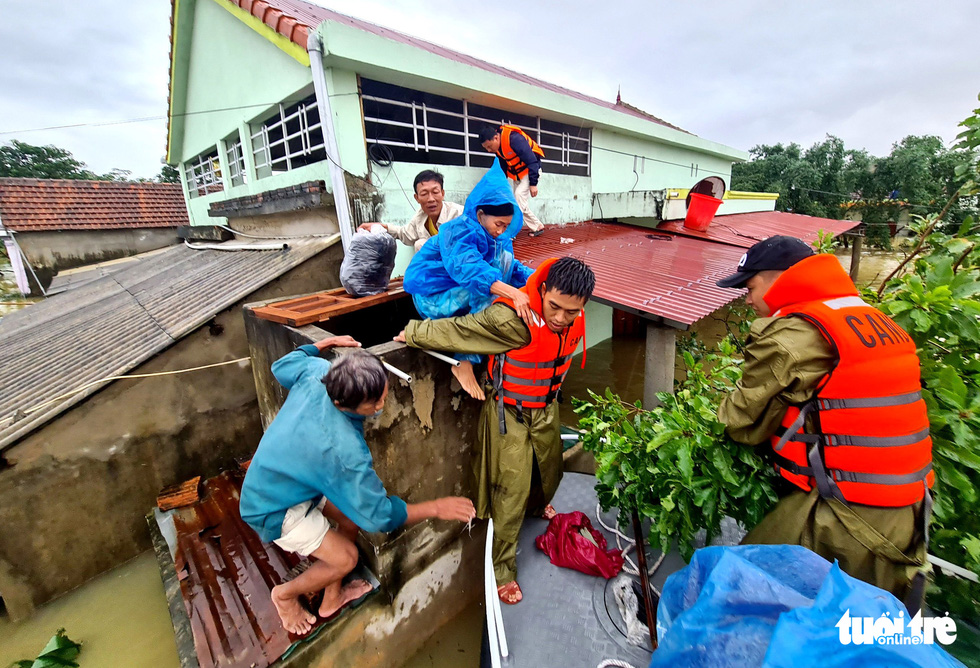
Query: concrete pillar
x=856, y=242
x=658, y=374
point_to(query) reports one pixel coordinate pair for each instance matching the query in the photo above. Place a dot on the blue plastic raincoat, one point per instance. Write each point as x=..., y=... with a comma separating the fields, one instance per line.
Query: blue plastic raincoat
x=452, y=273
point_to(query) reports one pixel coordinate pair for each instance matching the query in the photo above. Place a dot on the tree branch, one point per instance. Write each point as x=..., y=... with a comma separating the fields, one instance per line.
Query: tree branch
x=920, y=244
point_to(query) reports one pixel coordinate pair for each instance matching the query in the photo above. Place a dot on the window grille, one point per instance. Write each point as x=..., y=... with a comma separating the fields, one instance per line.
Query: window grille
x=203, y=175
x=291, y=138
x=425, y=128
x=236, y=161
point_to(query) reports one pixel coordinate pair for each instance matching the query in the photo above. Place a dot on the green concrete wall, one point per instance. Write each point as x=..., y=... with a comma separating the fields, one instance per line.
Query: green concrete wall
x=665, y=166
x=232, y=66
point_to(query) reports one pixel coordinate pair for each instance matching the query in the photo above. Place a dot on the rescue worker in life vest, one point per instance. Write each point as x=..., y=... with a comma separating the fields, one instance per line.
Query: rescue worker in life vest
x=520, y=158
x=834, y=385
x=518, y=462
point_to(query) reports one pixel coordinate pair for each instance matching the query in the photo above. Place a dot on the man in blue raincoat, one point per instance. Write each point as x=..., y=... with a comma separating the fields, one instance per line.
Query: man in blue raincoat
x=470, y=262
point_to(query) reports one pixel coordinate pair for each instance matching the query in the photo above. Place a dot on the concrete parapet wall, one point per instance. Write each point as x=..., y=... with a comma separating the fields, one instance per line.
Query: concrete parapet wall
x=422, y=447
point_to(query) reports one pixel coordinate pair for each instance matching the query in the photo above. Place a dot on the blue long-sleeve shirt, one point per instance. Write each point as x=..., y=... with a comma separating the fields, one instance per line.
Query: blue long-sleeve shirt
x=313, y=449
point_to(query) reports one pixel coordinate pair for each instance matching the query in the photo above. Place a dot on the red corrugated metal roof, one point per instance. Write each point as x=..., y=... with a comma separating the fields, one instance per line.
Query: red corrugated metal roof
x=744, y=229
x=295, y=19
x=661, y=276
x=34, y=205
x=226, y=575
x=667, y=274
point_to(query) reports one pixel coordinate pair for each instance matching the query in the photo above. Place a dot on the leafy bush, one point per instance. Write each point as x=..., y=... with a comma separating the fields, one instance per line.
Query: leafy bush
x=674, y=464
x=935, y=296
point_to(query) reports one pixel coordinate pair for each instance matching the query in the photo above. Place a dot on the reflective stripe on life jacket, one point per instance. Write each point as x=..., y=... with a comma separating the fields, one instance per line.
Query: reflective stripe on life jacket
x=531, y=377
x=864, y=436
x=514, y=167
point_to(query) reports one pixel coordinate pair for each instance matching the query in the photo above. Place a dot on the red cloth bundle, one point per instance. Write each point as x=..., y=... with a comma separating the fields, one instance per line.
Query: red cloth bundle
x=567, y=543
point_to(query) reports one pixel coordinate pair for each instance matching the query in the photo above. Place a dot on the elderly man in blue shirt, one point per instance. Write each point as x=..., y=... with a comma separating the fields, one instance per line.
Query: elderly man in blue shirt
x=311, y=484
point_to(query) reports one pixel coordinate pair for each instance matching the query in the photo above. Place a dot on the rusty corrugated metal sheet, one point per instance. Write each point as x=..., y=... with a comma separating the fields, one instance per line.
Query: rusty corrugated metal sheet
x=667, y=274
x=744, y=229
x=661, y=276
x=226, y=575
x=112, y=324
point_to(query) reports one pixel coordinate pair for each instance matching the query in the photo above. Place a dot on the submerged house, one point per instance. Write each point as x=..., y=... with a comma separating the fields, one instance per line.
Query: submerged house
x=59, y=224
x=247, y=118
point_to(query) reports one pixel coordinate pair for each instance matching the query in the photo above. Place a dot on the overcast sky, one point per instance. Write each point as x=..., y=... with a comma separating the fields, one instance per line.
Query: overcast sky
x=742, y=72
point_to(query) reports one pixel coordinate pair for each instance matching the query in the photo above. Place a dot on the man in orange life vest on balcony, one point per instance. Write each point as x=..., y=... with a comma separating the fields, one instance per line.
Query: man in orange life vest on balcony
x=834, y=385
x=518, y=462
x=520, y=158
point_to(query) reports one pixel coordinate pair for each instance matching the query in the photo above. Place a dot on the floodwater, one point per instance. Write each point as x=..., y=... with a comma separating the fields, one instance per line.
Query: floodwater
x=10, y=297
x=121, y=618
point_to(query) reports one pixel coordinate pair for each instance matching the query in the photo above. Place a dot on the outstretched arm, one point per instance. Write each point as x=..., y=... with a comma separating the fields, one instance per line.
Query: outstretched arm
x=494, y=330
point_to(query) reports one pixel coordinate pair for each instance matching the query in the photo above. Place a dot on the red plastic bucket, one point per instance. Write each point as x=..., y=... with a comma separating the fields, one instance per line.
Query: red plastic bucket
x=701, y=211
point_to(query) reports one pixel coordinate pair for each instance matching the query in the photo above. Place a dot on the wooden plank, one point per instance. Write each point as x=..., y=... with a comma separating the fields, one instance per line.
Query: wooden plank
x=322, y=306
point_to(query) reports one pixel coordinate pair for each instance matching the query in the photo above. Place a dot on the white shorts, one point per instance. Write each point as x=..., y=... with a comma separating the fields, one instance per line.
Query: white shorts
x=303, y=528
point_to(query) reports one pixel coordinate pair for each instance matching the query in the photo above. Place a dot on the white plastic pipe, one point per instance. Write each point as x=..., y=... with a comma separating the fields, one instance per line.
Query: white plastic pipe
x=315, y=48
x=444, y=358
x=398, y=372
x=490, y=585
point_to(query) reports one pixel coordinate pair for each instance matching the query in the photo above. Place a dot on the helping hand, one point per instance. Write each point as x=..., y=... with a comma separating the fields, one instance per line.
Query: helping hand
x=400, y=337
x=522, y=304
x=338, y=342
x=454, y=508
x=367, y=226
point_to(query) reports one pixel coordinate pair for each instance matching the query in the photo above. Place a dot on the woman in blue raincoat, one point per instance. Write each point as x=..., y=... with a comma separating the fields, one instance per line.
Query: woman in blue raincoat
x=471, y=261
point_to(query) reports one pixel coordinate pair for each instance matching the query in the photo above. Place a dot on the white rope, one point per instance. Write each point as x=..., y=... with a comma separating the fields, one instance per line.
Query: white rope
x=629, y=567
x=615, y=663
x=34, y=409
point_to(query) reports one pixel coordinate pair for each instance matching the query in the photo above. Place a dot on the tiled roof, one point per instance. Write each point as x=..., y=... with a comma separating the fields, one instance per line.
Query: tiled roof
x=295, y=19
x=667, y=274
x=110, y=325
x=34, y=205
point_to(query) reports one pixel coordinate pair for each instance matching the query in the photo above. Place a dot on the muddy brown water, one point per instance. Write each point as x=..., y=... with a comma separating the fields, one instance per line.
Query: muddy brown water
x=121, y=618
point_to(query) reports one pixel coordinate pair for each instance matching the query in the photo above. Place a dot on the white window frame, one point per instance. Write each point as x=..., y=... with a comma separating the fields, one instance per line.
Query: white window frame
x=203, y=175
x=235, y=156
x=557, y=145
x=262, y=147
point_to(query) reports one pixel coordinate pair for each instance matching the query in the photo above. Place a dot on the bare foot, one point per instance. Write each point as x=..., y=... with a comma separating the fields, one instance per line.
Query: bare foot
x=510, y=593
x=294, y=618
x=549, y=512
x=464, y=374
x=352, y=591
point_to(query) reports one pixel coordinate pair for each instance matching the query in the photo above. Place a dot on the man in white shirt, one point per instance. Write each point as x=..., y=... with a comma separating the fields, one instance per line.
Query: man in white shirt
x=432, y=213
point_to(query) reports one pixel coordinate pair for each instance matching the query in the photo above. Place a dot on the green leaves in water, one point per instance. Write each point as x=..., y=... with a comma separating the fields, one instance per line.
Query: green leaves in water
x=60, y=651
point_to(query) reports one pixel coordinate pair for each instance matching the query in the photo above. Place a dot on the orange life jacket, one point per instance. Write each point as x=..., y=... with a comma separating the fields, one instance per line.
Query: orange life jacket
x=870, y=443
x=530, y=377
x=514, y=167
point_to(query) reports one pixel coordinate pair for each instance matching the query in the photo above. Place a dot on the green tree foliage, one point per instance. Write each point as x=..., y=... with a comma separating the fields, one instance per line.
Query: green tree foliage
x=827, y=179
x=935, y=295
x=22, y=160
x=168, y=174
x=674, y=464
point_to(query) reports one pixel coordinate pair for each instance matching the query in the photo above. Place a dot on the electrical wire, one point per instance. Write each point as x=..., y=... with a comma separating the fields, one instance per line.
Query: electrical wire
x=143, y=119
x=20, y=414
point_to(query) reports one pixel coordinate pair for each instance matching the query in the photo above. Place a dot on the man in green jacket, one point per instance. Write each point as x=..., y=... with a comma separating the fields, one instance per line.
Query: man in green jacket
x=517, y=472
x=786, y=360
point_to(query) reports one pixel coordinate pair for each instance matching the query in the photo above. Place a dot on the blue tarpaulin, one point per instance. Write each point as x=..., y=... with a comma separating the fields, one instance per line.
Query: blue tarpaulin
x=780, y=606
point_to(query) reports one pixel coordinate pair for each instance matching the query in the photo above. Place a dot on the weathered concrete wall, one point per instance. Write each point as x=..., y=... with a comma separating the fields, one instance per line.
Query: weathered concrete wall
x=74, y=494
x=51, y=252
x=422, y=447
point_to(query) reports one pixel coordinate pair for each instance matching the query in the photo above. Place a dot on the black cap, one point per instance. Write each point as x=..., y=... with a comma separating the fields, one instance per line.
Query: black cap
x=772, y=254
